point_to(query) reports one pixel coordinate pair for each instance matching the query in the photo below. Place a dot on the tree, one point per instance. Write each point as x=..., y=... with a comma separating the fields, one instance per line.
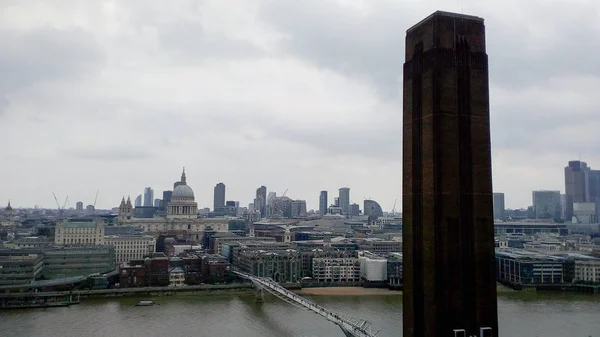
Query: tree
x=45, y=231
x=212, y=279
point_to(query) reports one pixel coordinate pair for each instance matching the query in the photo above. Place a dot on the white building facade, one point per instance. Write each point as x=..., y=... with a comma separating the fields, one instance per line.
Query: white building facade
x=587, y=271
x=131, y=247
x=79, y=233
x=336, y=270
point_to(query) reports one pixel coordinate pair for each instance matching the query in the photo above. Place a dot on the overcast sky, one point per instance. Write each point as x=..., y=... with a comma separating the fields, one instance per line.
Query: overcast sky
x=299, y=95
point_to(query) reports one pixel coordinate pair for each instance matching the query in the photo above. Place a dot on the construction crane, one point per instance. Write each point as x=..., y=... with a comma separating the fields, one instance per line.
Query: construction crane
x=66, y=203
x=394, y=208
x=96, y=199
x=60, y=209
x=56, y=199
x=283, y=195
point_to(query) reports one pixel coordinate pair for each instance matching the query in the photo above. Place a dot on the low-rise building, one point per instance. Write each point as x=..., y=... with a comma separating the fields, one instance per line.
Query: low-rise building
x=336, y=270
x=132, y=276
x=308, y=254
x=215, y=269
x=176, y=277
x=280, y=265
x=20, y=269
x=70, y=261
x=79, y=232
x=521, y=268
x=32, y=242
x=217, y=241
x=395, y=271
x=131, y=247
x=373, y=270
x=380, y=247
x=158, y=270
x=587, y=271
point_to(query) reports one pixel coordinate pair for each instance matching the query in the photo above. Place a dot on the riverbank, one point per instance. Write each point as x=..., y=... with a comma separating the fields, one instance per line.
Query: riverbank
x=236, y=288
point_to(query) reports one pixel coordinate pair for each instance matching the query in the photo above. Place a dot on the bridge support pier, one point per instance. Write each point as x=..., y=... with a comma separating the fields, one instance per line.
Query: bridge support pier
x=259, y=294
x=347, y=333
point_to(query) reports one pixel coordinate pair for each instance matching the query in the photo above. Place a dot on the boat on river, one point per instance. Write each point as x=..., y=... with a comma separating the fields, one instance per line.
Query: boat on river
x=144, y=303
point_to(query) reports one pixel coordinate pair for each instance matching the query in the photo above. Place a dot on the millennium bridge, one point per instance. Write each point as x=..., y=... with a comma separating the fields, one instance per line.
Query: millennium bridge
x=350, y=327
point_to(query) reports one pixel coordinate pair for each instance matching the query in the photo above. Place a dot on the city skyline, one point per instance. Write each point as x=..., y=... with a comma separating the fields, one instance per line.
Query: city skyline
x=238, y=107
x=311, y=204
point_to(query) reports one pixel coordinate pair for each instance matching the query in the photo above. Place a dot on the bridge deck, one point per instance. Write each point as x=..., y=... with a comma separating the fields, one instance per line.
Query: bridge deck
x=350, y=327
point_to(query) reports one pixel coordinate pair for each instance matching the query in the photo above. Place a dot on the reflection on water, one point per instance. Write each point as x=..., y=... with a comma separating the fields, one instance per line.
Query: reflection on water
x=520, y=313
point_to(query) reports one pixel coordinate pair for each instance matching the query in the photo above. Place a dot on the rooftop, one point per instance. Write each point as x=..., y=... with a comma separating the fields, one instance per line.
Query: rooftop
x=446, y=14
x=79, y=224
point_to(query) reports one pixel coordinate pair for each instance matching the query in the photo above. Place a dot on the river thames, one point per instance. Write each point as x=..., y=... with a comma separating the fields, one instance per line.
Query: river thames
x=522, y=314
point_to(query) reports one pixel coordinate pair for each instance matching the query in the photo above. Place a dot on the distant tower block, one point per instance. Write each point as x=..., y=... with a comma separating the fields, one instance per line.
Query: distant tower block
x=448, y=228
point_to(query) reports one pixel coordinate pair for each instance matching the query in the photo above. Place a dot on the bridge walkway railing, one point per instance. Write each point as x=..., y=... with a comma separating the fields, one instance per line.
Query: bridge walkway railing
x=357, y=329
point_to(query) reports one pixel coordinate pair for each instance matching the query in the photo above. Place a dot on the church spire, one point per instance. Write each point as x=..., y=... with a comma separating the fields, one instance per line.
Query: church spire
x=183, y=182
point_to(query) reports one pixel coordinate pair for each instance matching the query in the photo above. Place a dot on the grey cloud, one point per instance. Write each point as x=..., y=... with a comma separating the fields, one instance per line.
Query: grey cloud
x=188, y=42
x=3, y=104
x=519, y=58
x=108, y=153
x=333, y=37
x=371, y=46
x=46, y=54
x=369, y=141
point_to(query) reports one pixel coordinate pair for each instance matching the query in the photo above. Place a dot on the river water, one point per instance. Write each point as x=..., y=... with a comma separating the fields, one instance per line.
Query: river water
x=521, y=314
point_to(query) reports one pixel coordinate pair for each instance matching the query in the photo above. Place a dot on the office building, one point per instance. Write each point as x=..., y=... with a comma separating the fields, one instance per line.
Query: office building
x=71, y=261
x=167, y=195
x=131, y=247
x=576, y=185
x=270, y=197
x=20, y=268
x=584, y=213
x=594, y=188
x=372, y=208
x=79, y=207
x=148, y=197
x=344, y=200
x=279, y=264
x=219, y=196
x=298, y=208
x=546, y=204
x=261, y=194
x=354, y=210
x=499, y=206
x=323, y=203
x=157, y=203
x=166, y=199
x=138, y=201
x=447, y=184
x=79, y=232
x=336, y=270
x=336, y=202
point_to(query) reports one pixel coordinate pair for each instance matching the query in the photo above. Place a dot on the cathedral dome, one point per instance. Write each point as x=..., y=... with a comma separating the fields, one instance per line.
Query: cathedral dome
x=183, y=192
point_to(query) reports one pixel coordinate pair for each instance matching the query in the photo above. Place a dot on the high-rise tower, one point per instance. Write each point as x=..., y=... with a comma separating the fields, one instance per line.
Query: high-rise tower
x=219, y=196
x=448, y=228
x=260, y=202
x=148, y=197
x=577, y=187
x=344, y=199
x=499, y=206
x=323, y=203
